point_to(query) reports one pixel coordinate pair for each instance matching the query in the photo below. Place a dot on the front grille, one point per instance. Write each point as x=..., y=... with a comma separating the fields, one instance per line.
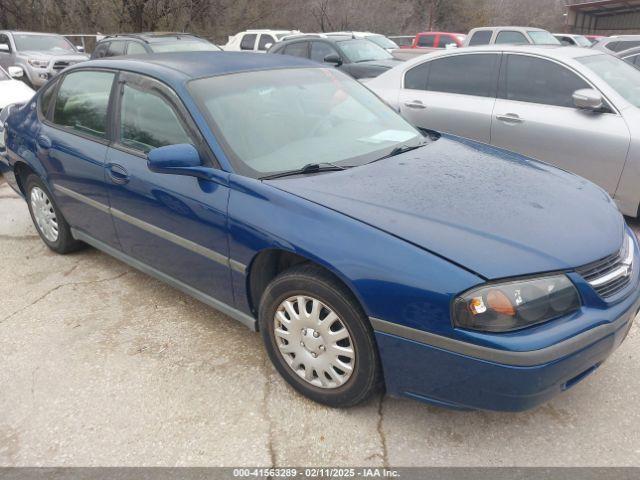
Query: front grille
x=61, y=65
x=612, y=274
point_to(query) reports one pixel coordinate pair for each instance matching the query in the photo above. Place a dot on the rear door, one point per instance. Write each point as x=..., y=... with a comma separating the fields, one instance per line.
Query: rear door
x=175, y=224
x=453, y=94
x=72, y=145
x=535, y=116
x=248, y=42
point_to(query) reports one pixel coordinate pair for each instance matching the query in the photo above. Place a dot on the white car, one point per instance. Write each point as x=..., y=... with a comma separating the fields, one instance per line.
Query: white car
x=12, y=90
x=256, y=40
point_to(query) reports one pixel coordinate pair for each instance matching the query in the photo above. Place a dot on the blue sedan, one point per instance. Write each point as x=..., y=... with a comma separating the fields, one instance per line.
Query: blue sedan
x=367, y=253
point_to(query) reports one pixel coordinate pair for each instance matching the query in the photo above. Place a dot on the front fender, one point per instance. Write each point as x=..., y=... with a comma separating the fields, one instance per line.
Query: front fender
x=393, y=279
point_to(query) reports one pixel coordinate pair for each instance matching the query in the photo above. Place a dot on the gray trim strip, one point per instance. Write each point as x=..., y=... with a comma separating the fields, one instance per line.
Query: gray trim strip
x=243, y=318
x=518, y=359
x=237, y=266
x=81, y=198
x=171, y=237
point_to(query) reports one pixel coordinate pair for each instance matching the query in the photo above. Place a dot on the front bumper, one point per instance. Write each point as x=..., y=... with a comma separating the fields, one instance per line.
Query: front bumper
x=495, y=379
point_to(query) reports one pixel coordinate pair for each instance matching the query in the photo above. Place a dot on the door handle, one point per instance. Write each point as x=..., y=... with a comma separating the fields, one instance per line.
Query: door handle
x=415, y=104
x=510, y=118
x=118, y=173
x=44, y=142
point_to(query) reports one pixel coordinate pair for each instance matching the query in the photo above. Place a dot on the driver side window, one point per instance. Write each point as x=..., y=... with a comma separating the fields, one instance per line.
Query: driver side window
x=148, y=121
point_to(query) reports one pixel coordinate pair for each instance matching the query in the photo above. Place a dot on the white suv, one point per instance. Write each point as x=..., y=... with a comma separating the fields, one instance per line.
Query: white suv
x=256, y=40
x=509, y=36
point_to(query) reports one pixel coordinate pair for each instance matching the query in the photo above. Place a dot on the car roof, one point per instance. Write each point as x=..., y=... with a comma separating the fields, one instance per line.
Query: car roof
x=528, y=29
x=31, y=33
x=178, y=67
x=334, y=38
x=151, y=37
x=554, y=51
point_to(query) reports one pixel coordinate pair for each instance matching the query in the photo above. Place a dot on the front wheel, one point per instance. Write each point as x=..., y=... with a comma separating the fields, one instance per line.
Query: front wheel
x=318, y=337
x=47, y=218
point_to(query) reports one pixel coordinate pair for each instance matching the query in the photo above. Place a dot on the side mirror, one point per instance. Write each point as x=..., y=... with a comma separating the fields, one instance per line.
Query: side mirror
x=15, y=72
x=588, y=99
x=4, y=47
x=180, y=159
x=268, y=46
x=450, y=46
x=80, y=48
x=333, y=58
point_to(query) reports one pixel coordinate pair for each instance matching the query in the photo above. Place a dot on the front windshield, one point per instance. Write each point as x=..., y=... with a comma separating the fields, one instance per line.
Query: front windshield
x=622, y=77
x=281, y=120
x=183, y=46
x=582, y=41
x=361, y=50
x=382, y=41
x=43, y=43
x=540, y=37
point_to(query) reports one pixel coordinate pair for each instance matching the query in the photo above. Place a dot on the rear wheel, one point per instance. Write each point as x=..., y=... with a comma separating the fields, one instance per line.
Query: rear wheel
x=47, y=218
x=318, y=337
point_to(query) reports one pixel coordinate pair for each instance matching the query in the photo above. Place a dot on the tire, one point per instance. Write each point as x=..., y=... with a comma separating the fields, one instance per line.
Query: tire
x=296, y=338
x=39, y=199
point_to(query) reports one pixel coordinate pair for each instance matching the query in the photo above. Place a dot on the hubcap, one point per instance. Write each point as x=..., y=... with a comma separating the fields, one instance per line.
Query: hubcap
x=44, y=214
x=314, y=342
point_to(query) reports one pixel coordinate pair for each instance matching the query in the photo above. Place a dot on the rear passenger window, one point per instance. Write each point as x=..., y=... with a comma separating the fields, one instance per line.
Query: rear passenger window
x=625, y=45
x=416, y=78
x=116, y=49
x=135, y=48
x=82, y=102
x=535, y=80
x=464, y=74
x=446, y=40
x=101, y=50
x=147, y=121
x=248, y=41
x=297, y=49
x=511, y=38
x=426, y=41
x=481, y=37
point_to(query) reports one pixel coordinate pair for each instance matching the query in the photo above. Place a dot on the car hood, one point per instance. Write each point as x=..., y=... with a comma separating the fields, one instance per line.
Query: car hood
x=13, y=91
x=490, y=211
x=72, y=56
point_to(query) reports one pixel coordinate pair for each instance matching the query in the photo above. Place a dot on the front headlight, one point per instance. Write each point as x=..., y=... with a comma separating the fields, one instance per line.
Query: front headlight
x=34, y=62
x=508, y=306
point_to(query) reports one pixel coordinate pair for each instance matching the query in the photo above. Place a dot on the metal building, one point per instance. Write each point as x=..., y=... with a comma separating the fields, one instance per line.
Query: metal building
x=604, y=17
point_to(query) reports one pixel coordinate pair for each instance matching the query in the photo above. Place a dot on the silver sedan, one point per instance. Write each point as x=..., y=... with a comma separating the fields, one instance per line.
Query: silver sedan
x=572, y=107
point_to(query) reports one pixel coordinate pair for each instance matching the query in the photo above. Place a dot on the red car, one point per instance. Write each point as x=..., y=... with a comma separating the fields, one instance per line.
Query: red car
x=438, y=40
x=594, y=38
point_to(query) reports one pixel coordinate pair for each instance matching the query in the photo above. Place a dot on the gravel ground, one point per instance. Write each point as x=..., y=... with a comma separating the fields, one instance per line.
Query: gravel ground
x=102, y=365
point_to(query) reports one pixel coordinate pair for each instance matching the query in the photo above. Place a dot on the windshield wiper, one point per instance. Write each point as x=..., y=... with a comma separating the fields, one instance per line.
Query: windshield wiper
x=306, y=170
x=399, y=150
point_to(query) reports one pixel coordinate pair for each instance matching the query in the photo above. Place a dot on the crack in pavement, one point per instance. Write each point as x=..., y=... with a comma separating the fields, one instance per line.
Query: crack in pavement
x=49, y=292
x=383, y=438
x=19, y=237
x=265, y=408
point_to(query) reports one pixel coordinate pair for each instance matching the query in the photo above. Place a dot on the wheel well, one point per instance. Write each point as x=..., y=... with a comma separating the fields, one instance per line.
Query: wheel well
x=268, y=264
x=21, y=171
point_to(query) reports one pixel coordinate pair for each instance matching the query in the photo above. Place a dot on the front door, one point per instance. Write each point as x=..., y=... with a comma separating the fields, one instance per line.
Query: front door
x=72, y=146
x=175, y=224
x=454, y=94
x=535, y=116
